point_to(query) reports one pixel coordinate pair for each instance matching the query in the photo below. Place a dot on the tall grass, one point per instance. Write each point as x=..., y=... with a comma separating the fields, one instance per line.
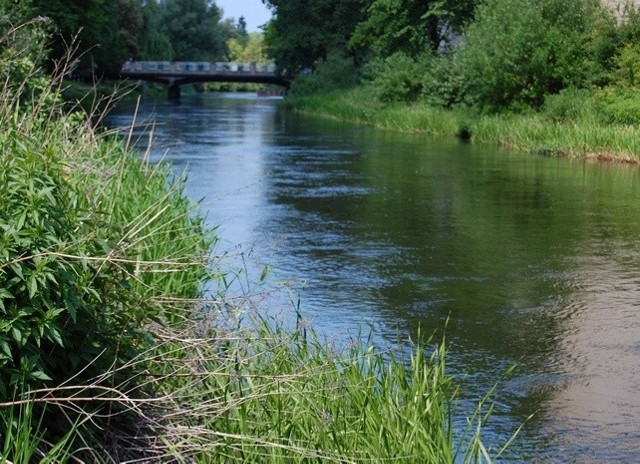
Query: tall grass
x=585, y=137
x=359, y=105
x=264, y=394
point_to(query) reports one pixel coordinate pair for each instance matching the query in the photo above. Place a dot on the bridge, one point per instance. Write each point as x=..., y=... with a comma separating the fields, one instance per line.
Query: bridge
x=176, y=73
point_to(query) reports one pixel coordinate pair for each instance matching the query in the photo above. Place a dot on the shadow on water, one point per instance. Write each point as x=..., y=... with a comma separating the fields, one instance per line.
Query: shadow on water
x=533, y=261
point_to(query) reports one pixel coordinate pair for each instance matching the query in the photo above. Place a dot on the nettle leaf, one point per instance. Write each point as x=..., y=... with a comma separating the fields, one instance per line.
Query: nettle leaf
x=26, y=311
x=50, y=276
x=17, y=269
x=39, y=375
x=72, y=306
x=32, y=283
x=21, y=221
x=17, y=335
x=54, y=336
x=6, y=348
x=4, y=293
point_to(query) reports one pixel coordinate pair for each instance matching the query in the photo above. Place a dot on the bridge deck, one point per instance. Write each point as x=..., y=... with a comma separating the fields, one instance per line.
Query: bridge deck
x=178, y=73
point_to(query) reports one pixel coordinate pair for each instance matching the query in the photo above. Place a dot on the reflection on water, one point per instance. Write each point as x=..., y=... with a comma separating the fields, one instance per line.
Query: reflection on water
x=532, y=261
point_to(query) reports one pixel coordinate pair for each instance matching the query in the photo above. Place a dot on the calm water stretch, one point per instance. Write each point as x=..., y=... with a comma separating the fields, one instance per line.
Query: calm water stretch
x=535, y=261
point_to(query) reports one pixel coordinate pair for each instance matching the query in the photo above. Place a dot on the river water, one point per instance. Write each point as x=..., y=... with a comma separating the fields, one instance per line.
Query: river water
x=533, y=261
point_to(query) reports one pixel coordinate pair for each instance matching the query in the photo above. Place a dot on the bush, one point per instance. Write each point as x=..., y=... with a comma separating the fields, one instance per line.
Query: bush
x=621, y=107
x=76, y=284
x=442, y=83
x=399, y=77
x=336, y=72
x=516, y=51
x=72, y=294
x=572, y=105
x=626, y=71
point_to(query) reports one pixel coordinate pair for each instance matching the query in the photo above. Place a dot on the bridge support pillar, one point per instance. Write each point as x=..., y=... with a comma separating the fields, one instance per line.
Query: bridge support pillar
x=173, y=92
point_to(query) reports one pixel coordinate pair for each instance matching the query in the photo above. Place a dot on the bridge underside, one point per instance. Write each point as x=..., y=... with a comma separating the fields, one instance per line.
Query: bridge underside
x=174, y=82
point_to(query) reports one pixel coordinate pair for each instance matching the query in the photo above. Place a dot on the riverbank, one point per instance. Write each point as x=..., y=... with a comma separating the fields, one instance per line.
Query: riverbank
x=543, y=133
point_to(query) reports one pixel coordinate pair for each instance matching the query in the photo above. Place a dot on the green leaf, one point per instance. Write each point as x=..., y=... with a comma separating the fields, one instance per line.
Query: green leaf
x=17, y=269
x=4, y=293
x=6, y=349
x=40, y=375
x=54, y=335
x=17, y=335
x=32, y=283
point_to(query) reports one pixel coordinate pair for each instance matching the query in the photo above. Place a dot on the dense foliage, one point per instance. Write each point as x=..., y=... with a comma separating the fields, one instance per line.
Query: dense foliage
x=74, y=248
x=110, y=32
x=489, y=55
x=412, y=27
x=303, y=34
x=517, y=51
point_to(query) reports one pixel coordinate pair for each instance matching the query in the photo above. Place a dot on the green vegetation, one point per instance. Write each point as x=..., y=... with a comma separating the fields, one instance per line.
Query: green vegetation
x=550, y=76
x=107, y=33
x=302, y=35
x=569, y=125
x=109, y=351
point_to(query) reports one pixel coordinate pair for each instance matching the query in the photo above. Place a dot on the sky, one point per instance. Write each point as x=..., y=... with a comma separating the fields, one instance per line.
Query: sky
x=254, y=12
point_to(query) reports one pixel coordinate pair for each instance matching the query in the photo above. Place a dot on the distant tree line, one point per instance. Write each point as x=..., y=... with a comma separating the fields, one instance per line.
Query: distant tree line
x=109, y=32
x=488, y=54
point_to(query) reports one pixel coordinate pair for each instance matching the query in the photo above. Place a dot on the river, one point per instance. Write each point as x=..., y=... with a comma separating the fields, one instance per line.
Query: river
x=533, y=261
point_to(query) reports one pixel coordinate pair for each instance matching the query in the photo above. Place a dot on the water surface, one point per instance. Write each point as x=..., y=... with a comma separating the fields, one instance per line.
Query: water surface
x=533, y=261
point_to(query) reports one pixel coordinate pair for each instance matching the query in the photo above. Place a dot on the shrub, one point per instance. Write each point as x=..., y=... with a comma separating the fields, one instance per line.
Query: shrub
x=78, y=257
x=622, y=108
x=572, y=105
x=442, y=83
x=399, y=77
x=516, y=51
x=626, y=71
x=336, y=72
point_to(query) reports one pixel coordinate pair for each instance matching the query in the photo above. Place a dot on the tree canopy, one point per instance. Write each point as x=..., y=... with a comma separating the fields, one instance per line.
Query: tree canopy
x=302, y=34
x=411, y=26
x=112, y=31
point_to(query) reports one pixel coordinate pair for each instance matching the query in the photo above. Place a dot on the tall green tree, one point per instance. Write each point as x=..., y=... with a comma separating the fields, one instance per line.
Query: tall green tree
x=250, y=50
x=302, y=34
x=155, y=43
x=93, y=22
x=411, y=27
x=192, y=27
x=130, y=28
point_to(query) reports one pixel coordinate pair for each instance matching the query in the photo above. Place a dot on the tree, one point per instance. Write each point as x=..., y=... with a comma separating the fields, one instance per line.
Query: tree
x=155, y=44
x=518, y=51
x=108, y=31
x=411, y=27
x=130, y=28
x=253, y=50
x=192, y=28
x=302, y=34
x=243, y=35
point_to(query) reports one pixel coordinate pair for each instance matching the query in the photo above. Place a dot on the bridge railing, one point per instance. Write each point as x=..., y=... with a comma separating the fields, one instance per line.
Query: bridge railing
x=194, y=67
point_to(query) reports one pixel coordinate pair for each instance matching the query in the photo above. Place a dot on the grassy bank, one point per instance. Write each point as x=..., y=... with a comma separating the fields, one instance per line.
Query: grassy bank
x=586, y=136
x=110, y=353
